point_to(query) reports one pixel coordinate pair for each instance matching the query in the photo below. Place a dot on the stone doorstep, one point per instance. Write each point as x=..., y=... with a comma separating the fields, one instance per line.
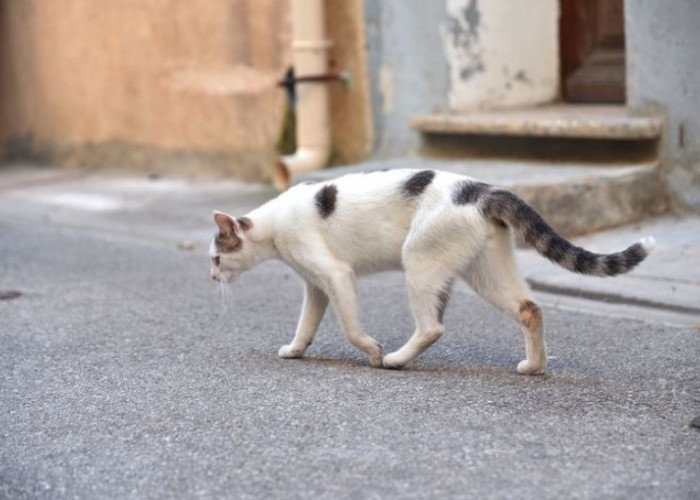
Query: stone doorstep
x=555, y=121
x=574, y=198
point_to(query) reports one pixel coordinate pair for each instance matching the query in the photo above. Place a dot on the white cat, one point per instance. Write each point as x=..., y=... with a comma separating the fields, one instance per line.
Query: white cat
x=436, y=226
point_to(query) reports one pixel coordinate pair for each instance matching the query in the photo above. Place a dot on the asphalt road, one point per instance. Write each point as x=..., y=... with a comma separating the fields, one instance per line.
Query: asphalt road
x=126, y=373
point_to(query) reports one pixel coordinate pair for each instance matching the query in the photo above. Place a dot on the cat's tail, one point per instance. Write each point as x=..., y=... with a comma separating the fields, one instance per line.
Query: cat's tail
x=516, y=213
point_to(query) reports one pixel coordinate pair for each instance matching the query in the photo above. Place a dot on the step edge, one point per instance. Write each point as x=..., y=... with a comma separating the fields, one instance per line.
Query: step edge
x=627, y=128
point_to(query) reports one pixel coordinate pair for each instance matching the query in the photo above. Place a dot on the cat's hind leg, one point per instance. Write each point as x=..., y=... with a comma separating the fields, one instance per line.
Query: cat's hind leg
x=429, y=278
x=494, y=275
x=428, y=296
x=315, y=303
x=441, y=242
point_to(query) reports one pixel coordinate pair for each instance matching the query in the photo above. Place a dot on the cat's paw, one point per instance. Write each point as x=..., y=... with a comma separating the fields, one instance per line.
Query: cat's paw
x=376, y=358
x=393, y=361
x=374, y=351
x=289, y=352
x=526, y=367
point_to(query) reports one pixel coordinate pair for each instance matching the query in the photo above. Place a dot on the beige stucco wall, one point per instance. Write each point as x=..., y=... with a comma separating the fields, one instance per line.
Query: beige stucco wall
x=173, y=86
x=144, y=81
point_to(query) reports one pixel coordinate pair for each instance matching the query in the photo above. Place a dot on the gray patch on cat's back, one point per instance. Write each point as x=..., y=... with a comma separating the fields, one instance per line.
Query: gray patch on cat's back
x=468, y=192
x=325, y=200
x=417, y=183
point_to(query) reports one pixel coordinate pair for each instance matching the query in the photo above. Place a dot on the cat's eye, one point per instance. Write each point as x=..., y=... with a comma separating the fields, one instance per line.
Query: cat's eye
x=216, y=260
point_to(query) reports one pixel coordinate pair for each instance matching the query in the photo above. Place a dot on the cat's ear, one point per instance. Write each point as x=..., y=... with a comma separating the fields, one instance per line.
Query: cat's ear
x=228, y=225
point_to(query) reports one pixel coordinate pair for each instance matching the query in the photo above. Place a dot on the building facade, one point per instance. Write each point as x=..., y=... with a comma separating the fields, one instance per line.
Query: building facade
x=191, y=87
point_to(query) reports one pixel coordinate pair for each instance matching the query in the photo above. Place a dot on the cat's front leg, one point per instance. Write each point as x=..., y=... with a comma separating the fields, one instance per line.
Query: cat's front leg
x=315, y=303
x=343, y=295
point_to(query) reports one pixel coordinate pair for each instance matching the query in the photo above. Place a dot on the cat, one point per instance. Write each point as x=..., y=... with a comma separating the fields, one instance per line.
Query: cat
x=436, y=226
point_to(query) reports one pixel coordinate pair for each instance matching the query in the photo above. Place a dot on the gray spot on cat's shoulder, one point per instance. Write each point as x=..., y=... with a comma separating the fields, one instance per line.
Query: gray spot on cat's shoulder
x=417, y=183
x=325, y=200
x=468, y=192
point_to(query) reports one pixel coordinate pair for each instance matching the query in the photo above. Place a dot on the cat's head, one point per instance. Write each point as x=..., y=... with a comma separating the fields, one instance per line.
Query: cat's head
x=231, y=250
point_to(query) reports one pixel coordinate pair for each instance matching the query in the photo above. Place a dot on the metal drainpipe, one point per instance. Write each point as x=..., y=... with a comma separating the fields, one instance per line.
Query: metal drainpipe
x=313, y=128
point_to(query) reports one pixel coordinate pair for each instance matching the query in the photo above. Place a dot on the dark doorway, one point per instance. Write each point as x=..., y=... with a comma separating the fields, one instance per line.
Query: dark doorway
x=592, y=38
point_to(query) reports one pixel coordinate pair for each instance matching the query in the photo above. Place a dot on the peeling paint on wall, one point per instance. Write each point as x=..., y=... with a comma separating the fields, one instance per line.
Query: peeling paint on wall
x=462, y=32
x=521, y=77
x=501, y=53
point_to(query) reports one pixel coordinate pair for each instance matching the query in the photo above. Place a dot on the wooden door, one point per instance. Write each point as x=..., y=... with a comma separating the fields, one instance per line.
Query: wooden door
x=592, y=41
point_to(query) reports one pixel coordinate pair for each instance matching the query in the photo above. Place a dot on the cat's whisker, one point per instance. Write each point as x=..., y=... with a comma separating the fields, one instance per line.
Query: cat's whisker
x=226, y=296
x=222, y=296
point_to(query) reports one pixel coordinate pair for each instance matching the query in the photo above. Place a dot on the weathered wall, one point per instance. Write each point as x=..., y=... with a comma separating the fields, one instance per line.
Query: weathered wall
x=138, y=82
x=166, y=85
x=408, y=70
x=456, y=55
x=663, y=72
x=501, y=53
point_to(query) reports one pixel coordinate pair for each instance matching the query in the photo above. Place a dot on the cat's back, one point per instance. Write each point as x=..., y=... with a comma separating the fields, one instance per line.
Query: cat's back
x=402, y=184
x=376, y=192
x=364, y=217
x=381, y=184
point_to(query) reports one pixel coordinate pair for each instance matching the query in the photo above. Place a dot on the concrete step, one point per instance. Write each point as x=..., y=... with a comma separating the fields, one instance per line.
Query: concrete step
x=574, y=198
x=576, y=121
x=588, y=132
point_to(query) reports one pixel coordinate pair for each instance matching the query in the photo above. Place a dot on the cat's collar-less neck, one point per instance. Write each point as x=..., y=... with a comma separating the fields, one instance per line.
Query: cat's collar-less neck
x=261, y=236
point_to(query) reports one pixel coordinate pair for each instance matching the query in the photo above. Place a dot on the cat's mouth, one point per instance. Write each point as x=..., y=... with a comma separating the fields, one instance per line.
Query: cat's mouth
x=223, y=279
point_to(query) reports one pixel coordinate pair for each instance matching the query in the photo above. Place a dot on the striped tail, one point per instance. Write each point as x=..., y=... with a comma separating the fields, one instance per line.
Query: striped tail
x=511, y=210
